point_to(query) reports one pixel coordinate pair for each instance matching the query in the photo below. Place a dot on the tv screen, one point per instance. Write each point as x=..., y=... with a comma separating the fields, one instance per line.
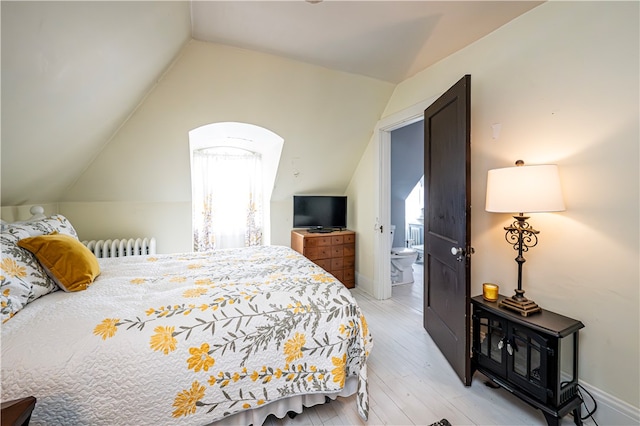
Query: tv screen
x=319, y=212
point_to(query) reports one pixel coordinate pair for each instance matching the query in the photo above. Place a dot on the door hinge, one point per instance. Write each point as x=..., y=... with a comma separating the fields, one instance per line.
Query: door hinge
x=470, y=251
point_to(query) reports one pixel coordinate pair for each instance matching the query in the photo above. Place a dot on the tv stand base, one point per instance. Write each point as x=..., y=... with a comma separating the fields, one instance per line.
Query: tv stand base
x=320, y=231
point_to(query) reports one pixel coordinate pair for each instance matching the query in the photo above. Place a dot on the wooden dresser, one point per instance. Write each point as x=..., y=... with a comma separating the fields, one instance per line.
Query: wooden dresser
x=335, y=252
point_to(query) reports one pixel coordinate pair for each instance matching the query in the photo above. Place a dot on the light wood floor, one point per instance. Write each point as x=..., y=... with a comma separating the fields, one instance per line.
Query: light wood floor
x=410, y=382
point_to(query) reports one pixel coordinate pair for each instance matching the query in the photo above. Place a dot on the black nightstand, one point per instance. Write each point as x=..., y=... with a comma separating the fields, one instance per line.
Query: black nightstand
x=17, y=412
x=526, y=356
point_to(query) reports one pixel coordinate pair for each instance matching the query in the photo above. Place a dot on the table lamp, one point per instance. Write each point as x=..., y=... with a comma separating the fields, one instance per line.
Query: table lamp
x=523, y=189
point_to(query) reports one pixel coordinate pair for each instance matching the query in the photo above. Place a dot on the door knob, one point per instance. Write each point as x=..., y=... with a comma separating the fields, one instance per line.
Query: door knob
x=459, y=252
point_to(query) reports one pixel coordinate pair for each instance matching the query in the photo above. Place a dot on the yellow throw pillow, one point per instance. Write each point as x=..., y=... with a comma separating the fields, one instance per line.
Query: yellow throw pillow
x=67, y=261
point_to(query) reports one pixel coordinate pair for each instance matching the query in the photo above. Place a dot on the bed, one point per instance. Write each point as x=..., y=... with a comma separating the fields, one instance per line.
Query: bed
x=227, y=336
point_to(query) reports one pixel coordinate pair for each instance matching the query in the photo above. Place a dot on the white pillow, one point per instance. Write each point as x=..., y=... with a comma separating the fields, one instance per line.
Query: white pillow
x=22, y=277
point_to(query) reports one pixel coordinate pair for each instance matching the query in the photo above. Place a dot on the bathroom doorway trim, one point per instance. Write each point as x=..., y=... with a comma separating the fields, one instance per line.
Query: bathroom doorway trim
x=405, y=117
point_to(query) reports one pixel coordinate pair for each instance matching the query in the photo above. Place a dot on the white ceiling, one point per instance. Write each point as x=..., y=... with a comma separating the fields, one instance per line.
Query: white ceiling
x=73, y=72
x=386, y=40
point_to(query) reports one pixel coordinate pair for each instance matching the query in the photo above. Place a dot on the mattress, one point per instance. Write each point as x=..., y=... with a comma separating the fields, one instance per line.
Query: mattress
x=188, y=339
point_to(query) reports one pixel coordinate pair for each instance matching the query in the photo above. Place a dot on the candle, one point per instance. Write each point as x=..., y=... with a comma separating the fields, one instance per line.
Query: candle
x=490, y=292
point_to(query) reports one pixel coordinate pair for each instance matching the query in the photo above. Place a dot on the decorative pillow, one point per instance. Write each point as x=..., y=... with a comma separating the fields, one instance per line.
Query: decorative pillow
x=22, y=277
x=62, y=225
x=66, y=260
x=19, y=272
x=57, y=222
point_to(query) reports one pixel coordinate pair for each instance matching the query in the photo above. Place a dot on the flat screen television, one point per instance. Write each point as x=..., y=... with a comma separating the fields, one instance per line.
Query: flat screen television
x=320, y=213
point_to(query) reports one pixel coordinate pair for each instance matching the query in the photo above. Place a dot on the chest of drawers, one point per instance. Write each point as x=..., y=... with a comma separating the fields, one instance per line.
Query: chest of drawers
x=335, y=252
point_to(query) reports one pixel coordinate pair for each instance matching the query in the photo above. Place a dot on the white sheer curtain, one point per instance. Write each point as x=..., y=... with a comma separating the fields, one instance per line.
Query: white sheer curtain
x=227, y=198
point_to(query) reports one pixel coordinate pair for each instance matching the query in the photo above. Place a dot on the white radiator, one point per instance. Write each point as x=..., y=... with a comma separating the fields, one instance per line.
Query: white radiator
x=122, y=247
x=415, y=234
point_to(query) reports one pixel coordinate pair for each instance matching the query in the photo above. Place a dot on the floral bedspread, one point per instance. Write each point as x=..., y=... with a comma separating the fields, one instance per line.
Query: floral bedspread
x=186, y=339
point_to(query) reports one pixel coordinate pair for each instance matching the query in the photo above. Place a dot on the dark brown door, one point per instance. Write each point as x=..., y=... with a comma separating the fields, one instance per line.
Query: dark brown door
x=447, y=225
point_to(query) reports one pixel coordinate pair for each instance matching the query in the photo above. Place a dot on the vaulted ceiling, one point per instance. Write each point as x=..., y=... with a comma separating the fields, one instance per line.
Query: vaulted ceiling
x=387, y=40
x=73, y=72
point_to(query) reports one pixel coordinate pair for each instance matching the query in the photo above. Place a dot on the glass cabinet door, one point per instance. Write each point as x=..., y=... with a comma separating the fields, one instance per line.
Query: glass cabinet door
x=490, y=345
x=528, y=364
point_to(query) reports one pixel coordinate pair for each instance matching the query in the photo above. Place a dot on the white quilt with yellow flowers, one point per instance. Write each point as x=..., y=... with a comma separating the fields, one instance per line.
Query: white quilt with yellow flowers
x=186, y=339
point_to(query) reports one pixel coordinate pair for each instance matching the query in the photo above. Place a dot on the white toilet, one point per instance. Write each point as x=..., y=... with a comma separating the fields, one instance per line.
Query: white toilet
x=402, y=259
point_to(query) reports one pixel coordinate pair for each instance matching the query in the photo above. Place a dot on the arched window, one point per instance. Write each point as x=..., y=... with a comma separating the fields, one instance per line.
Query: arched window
x=233, y=168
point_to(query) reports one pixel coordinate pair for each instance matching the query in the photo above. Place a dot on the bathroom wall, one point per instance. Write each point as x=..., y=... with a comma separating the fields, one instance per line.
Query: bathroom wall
x=407, y=167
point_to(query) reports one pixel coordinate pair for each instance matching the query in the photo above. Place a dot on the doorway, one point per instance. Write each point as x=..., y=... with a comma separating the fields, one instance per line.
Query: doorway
x=382, y=288
x=447, y=247
x=406, y=205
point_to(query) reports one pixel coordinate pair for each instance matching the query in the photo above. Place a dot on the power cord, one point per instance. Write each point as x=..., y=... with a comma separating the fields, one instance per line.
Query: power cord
x=595, y=404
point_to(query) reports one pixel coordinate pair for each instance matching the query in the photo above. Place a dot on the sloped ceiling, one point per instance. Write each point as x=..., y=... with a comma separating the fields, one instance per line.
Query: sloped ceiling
x=73, y=72
x=386, y=40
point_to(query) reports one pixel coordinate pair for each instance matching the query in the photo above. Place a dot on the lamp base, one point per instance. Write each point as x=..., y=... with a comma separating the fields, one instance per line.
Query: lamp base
x=520, y=304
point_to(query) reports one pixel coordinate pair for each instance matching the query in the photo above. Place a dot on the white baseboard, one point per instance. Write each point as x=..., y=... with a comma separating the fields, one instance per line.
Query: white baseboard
x=611, y=411
x=363, y=283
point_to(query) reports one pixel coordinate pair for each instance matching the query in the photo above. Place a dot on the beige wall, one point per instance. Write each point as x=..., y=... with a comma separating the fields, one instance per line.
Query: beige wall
x=361, y=210
x=324, y=116
x=562, y=80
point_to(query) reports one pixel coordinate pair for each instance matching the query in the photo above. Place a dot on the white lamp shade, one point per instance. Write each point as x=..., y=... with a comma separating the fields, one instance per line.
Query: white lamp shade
x=524, y=189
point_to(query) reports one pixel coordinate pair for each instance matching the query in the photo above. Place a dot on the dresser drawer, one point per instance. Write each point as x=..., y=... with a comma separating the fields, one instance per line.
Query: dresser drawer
x=337, y=251
x=338, y=274
x=314, y=253
x=349, y=262
x=323, y=263
x=349, y=250
x=317, y=241
x=348, y=274
x=337, y=263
